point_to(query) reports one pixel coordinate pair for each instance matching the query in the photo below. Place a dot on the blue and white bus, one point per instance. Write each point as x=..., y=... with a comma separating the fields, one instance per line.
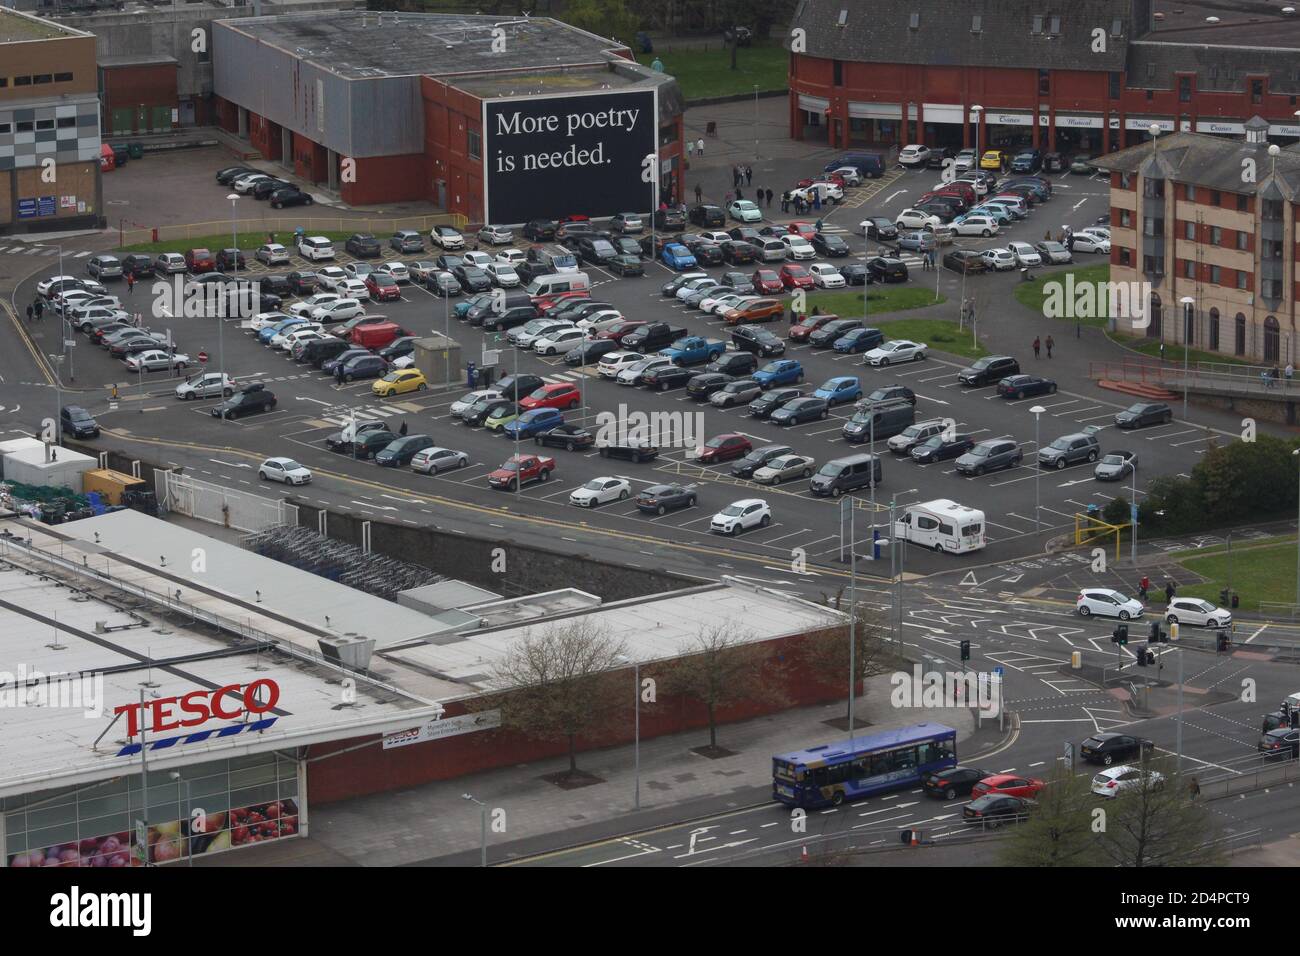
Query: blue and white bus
x=833, y=773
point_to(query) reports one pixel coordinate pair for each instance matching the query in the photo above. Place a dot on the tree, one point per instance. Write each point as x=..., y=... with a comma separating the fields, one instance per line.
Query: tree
x=1058, y=830
x=1116, y=511
x=1158, y=824
x=606, y=18
x=561, y=683
x=720, y=667
x=826, y=653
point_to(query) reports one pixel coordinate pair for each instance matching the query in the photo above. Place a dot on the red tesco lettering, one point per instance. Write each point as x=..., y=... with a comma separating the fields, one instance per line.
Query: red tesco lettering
x=200, y=706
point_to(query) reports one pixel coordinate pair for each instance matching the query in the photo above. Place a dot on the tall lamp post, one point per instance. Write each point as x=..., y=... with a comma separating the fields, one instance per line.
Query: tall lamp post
x=636, y=709
x=189, y=824
x=977, y=110
x=1133, y=517
x=853, y=602
x=1037, y=412
x=58, y=383
x=1297, y=535
x=482, y=825
x=1188, y=302
x=221, y=323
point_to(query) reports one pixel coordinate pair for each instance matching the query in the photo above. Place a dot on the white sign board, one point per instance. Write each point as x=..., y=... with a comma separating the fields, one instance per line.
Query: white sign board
x=447, y=727
x=1009, y=119
x=1078, y=122
x=1165, y=125
x=1208, y=126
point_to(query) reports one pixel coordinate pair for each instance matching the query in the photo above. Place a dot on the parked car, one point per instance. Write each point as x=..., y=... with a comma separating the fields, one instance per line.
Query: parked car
x=1142, y=414
x=1106, y=748
x=991, y=368
x=1197, y=612
x=990, y=455
x=941, y=447
x=1115, y=466
x=1021, y=386
x=1107, y=603
x=249, y=399
x=741, y=516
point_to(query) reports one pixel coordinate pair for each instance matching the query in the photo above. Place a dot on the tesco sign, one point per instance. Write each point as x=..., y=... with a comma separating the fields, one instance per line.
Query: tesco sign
x=199, y=706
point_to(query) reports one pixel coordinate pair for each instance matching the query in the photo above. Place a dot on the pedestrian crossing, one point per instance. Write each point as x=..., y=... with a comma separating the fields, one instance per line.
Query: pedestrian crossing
x=342, y=417
x=30, y=250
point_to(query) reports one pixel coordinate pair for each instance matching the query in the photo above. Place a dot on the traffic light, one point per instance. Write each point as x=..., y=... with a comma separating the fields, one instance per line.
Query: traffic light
x=1154, y=636
x=965, y=650
x=1119, y=635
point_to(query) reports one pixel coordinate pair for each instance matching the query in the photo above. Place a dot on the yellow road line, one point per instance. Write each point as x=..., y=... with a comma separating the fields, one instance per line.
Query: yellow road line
x=26, y=340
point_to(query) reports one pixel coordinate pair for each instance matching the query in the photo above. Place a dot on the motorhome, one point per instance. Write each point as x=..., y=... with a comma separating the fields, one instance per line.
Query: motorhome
x=942, y=525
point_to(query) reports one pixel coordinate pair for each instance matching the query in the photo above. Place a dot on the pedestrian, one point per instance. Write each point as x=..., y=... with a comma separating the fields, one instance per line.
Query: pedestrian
x=699, y=194
x=1069, y=242
x=1193, y=788
x=699, y=145
x=758, y=195
x=929, y=254
x=29, y=313
x=1170, y=591
x=1162, y=351
x=130, y=282
x=749, y=175
x=1037, y=346
x=690, y=147
x=769, y=199
x=739, y=194
x=728, y=198
x=1050, y=343
x=785, y=202
x=1143, y=587
x=817, y=199
x=735, y=176
x=1289, y=371
x=40, y=310
x=402, y=430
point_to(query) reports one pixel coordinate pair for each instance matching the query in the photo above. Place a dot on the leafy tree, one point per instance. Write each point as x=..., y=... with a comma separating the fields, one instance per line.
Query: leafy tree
x=1058, y=830
x=826, y=653
x=1116, y=511
x=606, y=18
x=559, y=684
x=720, y=667
x=1159, y=824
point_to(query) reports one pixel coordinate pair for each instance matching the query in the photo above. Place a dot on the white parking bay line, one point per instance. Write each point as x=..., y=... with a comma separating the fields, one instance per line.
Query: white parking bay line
x=1185, y=431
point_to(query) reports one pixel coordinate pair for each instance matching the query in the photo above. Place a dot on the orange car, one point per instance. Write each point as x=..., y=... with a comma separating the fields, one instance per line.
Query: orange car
x=760, y=310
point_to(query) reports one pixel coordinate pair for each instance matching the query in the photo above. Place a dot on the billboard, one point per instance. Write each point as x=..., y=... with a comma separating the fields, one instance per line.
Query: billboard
x=545, y=157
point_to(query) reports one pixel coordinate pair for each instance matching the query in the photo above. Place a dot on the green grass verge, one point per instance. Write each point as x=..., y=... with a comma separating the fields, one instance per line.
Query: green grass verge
x=881, y=300
x=1258, y=574
x=939, y=334
x=1174, y=352
x=248, y=241
x=708, y=73
x=1034, y=295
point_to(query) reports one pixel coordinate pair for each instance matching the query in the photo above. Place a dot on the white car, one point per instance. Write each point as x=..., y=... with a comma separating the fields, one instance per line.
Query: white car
x=280, y=338
x=269, y=254
x=598, y=491
x=715, y=236
x=359, y=270
x=797, y=247
x=316, y=248
x=245, y=184
x=263, y=319
x=397, y=270
x=1103, y=231
x=692, y=286
x=1090, y=242
x=294, y=336
x=446, y=237
x=978, y=183
x=849, y=174
x=999, y=259
x=973, y=224
x=333, y=313
x=826, y=276
x=599, y=320
x=353, y=289
x=526, y=340
x=964, y=160
x=329, y=277
x=741, y=515
x=826, y=191
x=611, y=363
x=915, y=219
x=915, y=155
x=719, y=300
x=480, y=260
x=502, y=275
x=205, y=385
x=1113, y=781
x=510, y=257
x=283, y=469
x=742, y=210
x=306, y=307
x=894, y=351
x=468, y=399
x=1195, y=611
x=1026, y=255
x=156, y=360
x=1107, y=603
x=559, y=341
x=631, y=374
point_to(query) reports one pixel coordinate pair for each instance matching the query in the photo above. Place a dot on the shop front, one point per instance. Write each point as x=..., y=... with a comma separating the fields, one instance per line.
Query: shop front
x=812, y=117
x=1137, y=129
x=943, y=125
x=1077, y=134
x=876, y=123
x=1007, y=130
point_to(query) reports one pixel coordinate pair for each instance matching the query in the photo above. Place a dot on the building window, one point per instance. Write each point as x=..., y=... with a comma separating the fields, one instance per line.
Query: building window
x=844, y=18
x=4, y=81
x=1271, y=339
x=62, y=77
x=66, y=122
x=1153, y=265
x=473, y=144
x=837, y=69
x=22, y=81
x=1243, y=203
x=1239, y=346
x=24, y=127
x=45, y=124
x=1271, y=249
x=1152, y=226
x=1216, y=236
x=1243, y=240
x=1125, y=180
x=1125, y=257
x=1184, y=89
x=5, y=128
x=1216, y=198
x=1191, y=193
x=1153, y=188
x=1257, y=91
x=1214, y=330
x=1189, y=231
x=1037, y=25
x=43, y=78
x=1114, y=86
x=1270, y=288
x=205, y=55
x=914, y=21
x=1044, y=83
x=1054, y=26
x=1243, y=280
x=1215, y=276
x=1272, y=210
x=1189, y=324
x=976, y=24
x=1189, y=269
x=1117, y=27
x=1126, y=218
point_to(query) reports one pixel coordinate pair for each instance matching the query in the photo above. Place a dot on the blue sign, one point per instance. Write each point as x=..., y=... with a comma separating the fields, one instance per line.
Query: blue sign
x=997, y=671
x=166, y=743
x=48, y=205
x=1133, y=512
x=26, y=208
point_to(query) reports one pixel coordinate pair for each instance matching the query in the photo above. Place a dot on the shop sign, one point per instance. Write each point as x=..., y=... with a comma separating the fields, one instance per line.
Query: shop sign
x=226, y=703
x=446, y=727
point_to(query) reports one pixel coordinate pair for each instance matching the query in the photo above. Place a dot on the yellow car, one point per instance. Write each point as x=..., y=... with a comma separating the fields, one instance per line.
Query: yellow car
x=400, y=382
x=500, y=417
x=992, y=159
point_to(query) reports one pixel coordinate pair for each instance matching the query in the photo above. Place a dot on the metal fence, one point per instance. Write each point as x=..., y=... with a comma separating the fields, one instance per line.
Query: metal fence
x=1200, y=376
x=206, y=501
x=285, y=226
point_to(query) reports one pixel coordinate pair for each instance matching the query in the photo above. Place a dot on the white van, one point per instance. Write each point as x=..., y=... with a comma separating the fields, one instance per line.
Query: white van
x=316, y=248
x=942, y=525
x=557, y=283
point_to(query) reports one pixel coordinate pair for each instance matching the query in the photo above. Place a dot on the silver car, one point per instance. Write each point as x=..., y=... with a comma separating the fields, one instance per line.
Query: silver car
x=104, y=267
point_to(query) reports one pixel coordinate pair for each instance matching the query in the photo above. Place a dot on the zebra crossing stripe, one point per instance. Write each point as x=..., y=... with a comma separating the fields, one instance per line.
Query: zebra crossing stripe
x=34, y=250
x=48, y=250
x=81, y=255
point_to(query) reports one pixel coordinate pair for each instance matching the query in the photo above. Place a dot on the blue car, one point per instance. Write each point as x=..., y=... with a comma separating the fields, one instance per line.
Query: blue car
x=780, y=372
x=533, y=421
x=838, y=390
x=271, y=331
x=677, y=256
x=859, y=340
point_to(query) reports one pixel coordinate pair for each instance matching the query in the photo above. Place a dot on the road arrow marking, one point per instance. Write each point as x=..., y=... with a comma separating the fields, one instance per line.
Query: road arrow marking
x=302, y=398
x=229, y=464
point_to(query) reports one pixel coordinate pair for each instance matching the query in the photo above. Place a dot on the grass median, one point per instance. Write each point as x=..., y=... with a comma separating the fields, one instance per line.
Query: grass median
x=708, y=72
x=1033, y=295
x=939, y=334
x=1259, y=573
x=248, y=242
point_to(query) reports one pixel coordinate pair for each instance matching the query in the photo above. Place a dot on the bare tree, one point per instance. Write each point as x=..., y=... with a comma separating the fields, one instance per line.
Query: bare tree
x=558, y=684
x=720, y=667
x=1159, y=823
x=826, y=653
x=1058, y=830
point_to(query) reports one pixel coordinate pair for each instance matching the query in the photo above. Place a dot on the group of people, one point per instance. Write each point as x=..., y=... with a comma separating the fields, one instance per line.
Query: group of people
x=927, y=260
x=761, y=196
x=742, y=172
x=800, y=204
x=36, y=311
x=1144, y=586
x=1270, y=376
x=1050, y=343
x=695, y=146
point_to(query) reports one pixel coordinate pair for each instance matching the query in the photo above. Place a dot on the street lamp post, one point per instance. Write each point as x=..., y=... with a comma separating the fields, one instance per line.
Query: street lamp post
x=189, y=824
x=234, y=236
x=1133, y=514
x=853, y=604
x=1297, y=534
x=977, y=110
x=755, y=122
x=1188, y=302
x=482, y=825
x=636, y=710
x=1037, y=412
x=58, y=385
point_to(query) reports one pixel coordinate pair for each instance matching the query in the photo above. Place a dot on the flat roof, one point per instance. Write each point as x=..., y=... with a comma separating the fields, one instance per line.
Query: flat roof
x=360, y=44
x=19, y=27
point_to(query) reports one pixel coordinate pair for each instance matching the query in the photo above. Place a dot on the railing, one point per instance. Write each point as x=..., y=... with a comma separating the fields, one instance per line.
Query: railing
x=1274, y=608
x=284, y=227
x=1200, y=376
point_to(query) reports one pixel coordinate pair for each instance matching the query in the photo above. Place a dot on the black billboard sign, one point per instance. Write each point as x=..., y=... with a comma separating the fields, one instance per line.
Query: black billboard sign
x=545, y=157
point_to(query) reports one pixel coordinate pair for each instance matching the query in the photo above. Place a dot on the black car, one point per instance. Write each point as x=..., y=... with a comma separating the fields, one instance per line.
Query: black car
x=1143, y=414
x=660, y=499
x=249, y=399
x=994, y=809
x=630, y=450
x=443, y=284
x=772, y=399
x=402, y=450
x=320, y=351
x=1108, y=748
x=704, y=384
x=965, y=261
x=78, y=422
x=878, y=227
x=529, y=270
x=289, y=196
x=515, y=387
x=265, y=187
x=746, y=234
x=140, y=266
x=625, y=266
x=1020, y=386
x=668, y=376
x=449, y=262
x=229, y=174
x=889, y=393
x=738, y=282
x=751, y=338
x=738, y=253
x=991, y=368
x=404, y=345
x=1282, y=743
x=938, y=155
x=231, y=260
x=825, y=337
x=567, y=436
x=484, y=408
x=733, y=363
x=275, y=284
x=337, y=442
x=830, y=245
x=362, y=245
x=886, y=269
x=595, y=250
x=302, y=283
x=954, y=782
x=942, y=448
x=799, y=410
x=539, y=230
x=570, y=233
x=331, y=365
x=1053, y=163
x=855, y=273
x=371, y=443
x=472, y=278
x=589, y=353
x=756, y=459
x=705, y=251
x=669, y=219
x=708, y=216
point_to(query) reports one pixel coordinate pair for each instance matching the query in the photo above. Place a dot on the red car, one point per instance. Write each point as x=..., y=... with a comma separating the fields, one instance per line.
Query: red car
x=768, y=282
x=562, y=395
x=726, y=447
x=559, y=300
x=801, y=330
x=521, y=469
x=618, y=330
x=383, y=288
x=1007, y=784
x=835, y=178
x=199, y=261
x=796, y=277
x=805, y=229
x=575, y=217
